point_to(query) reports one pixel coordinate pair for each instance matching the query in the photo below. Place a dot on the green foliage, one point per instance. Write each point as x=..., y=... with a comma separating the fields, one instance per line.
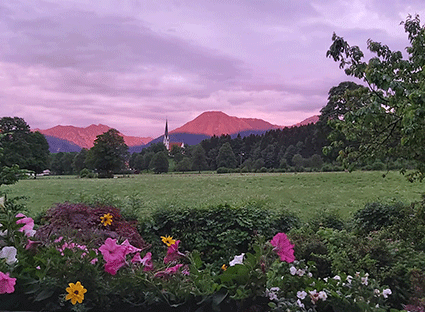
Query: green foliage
x=86, y=173
x=226, y=158
x=29, y=150
x=218, y=232
x=159, y=163
x=108, y=154
x=374, y=216
x=386, y=120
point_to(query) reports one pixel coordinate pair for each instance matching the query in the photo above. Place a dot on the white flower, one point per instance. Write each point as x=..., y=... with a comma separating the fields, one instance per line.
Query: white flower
x=349, y=279
x=364, y=280
x=3, y=233
x=301, y=294
x=300, y=304
x=386, y=292
x=310, y=274
x=272, y=293
x=323, y=295
x=237, y=260
x=9, y=253
x=300, y=272
x=293, y=270
x=337, y=278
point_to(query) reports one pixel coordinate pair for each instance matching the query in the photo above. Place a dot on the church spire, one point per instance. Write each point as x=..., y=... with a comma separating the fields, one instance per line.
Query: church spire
x=166, y=140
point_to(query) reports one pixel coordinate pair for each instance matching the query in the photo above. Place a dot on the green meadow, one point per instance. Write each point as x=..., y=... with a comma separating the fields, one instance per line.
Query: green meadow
x=302, y=193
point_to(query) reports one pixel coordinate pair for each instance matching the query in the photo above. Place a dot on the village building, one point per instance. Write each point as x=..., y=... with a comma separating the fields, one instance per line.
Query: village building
x=169, y=145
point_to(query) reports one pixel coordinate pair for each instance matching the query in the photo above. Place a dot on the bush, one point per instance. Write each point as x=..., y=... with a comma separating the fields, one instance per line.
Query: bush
x=375, y=216
x=218, y=232
x=86, y=173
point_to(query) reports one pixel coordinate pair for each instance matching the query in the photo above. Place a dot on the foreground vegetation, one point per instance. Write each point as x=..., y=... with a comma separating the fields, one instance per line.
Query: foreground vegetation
x=302, y=193
x=221, y=258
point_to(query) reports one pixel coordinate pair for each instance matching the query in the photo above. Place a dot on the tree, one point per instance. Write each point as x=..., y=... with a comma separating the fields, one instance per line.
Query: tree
x=29, y=150
x=184, y=165
x=226, y=158
x=159, y=163
x=79, y=161
x=391, y=118
x=108, y=154
x=199, y=160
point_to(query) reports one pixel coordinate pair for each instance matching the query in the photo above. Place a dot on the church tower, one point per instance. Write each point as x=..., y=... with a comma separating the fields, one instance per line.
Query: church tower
x=166, y=140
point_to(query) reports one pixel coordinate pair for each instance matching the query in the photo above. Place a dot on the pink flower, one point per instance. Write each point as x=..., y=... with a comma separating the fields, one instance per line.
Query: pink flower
x=169, y=271
x=7, y=283
x=111, y=251
x=146, y=261
x=283, y=247
x=173, y=253
x=129, y=248
x=28, y=227
x=32, y=244
x=112, y=267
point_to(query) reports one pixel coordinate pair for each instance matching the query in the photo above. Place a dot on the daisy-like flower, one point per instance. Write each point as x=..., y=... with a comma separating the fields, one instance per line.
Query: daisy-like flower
x=106, y=219
x=168, y=240
x=75, y=293
x=224, y=267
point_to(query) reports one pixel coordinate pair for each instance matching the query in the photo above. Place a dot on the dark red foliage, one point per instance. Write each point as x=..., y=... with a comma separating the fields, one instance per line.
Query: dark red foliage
x=82, y=223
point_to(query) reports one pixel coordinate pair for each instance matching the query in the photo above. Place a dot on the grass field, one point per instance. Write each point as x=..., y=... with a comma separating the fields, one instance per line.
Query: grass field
x=302, y=193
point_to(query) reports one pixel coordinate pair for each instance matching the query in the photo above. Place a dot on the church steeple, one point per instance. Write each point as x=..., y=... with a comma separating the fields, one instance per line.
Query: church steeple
x=166, y=140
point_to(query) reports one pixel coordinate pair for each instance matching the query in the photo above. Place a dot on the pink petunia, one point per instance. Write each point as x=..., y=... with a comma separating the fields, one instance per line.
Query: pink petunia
x=28, y=227
x=111, y=251
x=283, y=247
x=173, y=253
x=146, y=261
x=129, y=248
x=7, y=283
x=169, y=271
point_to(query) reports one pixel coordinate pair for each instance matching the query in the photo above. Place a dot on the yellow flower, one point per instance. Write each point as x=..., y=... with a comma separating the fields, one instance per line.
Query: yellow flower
x=168, y=240
x=224, y=267
x=106, y=219
x=75, y=293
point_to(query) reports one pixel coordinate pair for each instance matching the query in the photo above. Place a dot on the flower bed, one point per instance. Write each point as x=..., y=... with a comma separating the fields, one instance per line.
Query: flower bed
x=85, y=258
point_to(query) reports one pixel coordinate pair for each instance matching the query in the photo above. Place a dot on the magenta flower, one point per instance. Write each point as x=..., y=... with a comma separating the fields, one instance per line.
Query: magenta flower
x=146, y=261
x=129, y=248
x=169, y=271
x=173, y=253
x=28, y=227
x=283, y=247
x=7, y=283
x=112, y=267
x=111, y=251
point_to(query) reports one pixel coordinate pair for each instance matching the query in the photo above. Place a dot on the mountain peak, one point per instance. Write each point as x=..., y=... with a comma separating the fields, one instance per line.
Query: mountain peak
x=217, y=123
x=84, y=137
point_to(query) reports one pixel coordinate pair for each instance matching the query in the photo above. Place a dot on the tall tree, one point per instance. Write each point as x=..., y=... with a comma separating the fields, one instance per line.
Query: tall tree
x=199, y=160
x=159, y=162
x=108, y=154
x=391, y=119
x=29, y=150
x=226, y=157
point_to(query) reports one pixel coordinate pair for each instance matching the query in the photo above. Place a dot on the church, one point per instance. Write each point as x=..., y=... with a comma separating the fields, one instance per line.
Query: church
x=169, y=145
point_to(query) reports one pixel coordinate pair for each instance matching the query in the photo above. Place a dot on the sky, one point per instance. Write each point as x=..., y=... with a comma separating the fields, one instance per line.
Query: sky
x=133, y=64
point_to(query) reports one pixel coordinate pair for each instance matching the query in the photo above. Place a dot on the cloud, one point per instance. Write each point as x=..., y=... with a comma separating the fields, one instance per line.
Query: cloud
x=131, y=64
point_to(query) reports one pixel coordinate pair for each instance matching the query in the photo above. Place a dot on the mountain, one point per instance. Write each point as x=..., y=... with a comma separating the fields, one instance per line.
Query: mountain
x=57, y=145
x=309, y=120
x=84, y=137
x=218, y=123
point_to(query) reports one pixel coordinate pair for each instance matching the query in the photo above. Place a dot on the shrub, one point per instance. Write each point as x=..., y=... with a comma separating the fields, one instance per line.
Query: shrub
x=217, y=232
x=375, y=216
x=82, y=222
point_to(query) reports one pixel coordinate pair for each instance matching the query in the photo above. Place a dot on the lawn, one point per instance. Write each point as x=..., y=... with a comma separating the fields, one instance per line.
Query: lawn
x=302, y=193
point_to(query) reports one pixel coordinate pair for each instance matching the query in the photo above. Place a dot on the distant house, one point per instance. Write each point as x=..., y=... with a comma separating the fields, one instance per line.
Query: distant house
x=169, y=145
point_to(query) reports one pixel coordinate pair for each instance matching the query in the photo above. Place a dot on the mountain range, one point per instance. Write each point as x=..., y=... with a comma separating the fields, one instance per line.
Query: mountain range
x=208, y=124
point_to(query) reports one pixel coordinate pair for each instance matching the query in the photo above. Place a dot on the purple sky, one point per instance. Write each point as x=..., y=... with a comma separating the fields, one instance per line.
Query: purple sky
x=131, y=64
